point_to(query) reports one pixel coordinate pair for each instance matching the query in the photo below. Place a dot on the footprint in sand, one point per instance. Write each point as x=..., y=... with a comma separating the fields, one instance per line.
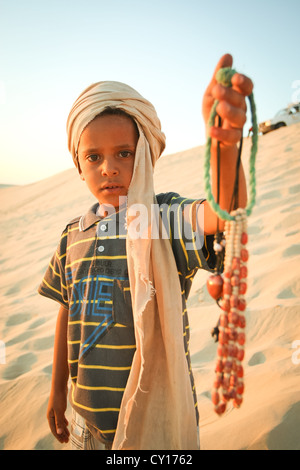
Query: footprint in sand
x=41, y=344
x=292, y=291
x=254, y=229
x=294, y=189
x=48, y=370
x=257, y=358
x=44, y=444
x=273, y=194
x=19, y=367
x=285, y=436
x=262, y=250
x=206, y=394
x=294, y=232
x=289, y=220
x=267, y=198
x=18, y=318
x=292, y=250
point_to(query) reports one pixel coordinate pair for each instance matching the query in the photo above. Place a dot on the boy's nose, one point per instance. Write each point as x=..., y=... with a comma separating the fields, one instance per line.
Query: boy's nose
x=108, y=168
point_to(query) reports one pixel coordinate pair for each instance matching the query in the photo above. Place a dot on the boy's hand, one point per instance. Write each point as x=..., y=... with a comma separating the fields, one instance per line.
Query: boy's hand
x=56, y=417
x=232, y=104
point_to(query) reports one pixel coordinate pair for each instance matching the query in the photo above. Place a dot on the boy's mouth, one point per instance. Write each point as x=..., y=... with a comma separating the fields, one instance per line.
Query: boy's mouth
x=111, y=187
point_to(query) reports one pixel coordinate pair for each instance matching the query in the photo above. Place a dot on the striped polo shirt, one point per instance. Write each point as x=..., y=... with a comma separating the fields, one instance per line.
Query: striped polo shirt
x=88, y=275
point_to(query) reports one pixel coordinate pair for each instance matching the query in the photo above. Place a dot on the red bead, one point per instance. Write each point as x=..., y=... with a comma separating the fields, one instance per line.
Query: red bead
x=222, y=350
x=235, y=263
x=244, y=238
x=235, y=280
x=223, y=338
x=228, y=273
x=240, y=371
x=228, y=366
x=215, y=286
x=240, y=355
x=226, y=382
x=225, y=305
x=215, y=398
x=223, y=320
x=241, y=305
x=232, y=334
x=227, y=289
x=243, y=272
x=232, y=350
x=244, y=254
x=218, y=381
x=226, y=395
x=241, y=338
x=240, y=388
x=234, y=301
x=233, y=318
x=242, y=321
x=237, y=402
x=233, y=380
x=220, y=408
x=219, y=366
x=243, y=288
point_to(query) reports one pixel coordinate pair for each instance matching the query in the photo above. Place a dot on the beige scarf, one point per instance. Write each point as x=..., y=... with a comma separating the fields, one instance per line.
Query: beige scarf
x=157, y=411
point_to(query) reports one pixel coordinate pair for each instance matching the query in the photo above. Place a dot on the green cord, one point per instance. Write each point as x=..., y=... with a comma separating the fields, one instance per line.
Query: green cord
x=224, y=76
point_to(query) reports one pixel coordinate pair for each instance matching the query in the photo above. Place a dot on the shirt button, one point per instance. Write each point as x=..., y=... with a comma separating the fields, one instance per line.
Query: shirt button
x=101, y=248
x=103, y=228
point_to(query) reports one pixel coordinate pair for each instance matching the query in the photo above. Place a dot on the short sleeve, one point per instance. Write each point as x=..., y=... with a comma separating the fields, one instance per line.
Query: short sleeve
x=192, y=249
x=53, y=284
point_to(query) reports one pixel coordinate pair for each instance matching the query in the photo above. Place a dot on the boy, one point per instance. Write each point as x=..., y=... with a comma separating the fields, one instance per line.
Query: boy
x=122, y=288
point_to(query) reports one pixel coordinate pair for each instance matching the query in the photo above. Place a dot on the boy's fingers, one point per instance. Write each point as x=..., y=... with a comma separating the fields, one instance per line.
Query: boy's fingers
x=225, y=61
x=61, y=429
x=52, y=424
x=222, y=93
x=235, y=117
x=208, y=99
x=61, y=424
x=227, y=137
x=58, y=427
x=242, y=84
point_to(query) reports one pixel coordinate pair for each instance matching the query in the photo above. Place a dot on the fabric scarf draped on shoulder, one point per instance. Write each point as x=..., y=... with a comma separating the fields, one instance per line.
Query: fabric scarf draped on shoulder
x=157, y=409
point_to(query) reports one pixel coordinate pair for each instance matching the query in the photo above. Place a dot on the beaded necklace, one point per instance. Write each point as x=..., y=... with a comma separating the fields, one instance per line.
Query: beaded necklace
x=229, y=290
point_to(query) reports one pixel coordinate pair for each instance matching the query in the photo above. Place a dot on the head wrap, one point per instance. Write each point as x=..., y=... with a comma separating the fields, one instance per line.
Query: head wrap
x=95, y=99
x=157, y=409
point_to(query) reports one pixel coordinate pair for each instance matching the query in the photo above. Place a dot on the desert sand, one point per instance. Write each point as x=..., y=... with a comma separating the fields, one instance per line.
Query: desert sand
x=32, y=218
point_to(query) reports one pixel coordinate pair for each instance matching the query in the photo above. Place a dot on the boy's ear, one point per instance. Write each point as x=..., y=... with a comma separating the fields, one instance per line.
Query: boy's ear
x=80, y=172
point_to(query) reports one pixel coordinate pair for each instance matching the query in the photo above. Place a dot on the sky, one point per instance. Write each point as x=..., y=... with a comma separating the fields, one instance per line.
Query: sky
x=50, y=51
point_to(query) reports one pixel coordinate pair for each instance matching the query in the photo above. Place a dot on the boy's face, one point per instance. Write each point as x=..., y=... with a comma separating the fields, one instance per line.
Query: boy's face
x=106, y=155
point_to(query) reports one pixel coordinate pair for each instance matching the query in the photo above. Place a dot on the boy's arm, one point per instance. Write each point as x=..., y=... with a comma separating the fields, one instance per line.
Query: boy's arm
x=232, y=110
x=59, y=387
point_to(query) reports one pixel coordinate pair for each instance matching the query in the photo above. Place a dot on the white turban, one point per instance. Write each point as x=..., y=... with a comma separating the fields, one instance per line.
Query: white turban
x=96, y=98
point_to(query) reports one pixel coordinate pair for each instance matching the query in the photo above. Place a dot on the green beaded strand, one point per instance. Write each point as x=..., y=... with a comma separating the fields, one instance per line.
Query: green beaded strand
x=224, y=77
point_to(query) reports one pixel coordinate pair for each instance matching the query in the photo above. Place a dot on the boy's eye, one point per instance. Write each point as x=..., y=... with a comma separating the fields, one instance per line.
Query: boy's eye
x=125, y=153
x=93, y=158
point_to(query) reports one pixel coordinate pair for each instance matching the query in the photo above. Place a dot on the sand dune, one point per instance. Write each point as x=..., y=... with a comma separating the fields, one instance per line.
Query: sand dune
x=32, y=218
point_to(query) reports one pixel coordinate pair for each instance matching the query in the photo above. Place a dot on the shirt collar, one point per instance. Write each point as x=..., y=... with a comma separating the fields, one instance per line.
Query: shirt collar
x=92, y=217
